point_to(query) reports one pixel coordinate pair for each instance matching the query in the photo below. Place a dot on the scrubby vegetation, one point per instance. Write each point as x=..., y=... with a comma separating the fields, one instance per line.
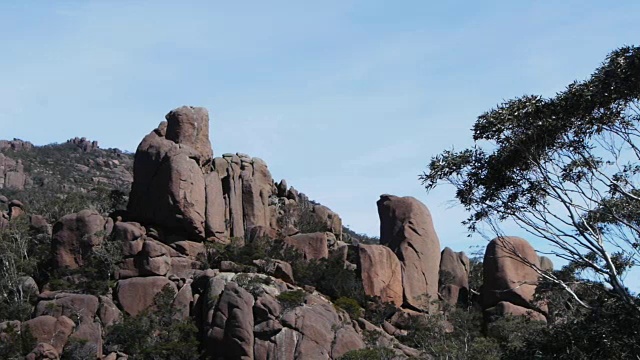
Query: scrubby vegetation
x=157, y=334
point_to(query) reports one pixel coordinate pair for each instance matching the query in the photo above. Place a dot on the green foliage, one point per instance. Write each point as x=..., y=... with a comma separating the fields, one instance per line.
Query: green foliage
x=377, y=311
x=78, y=350
x=565, y=169
x=351, y=237
x=377, y=353
x=16, y=344
x=475, y=273
x=155, y=334
x=66, y=180
x=253, y=283
x=96, y=276
x=330, y=277
x=292, y=299
x=349, y=305
x=21, y=254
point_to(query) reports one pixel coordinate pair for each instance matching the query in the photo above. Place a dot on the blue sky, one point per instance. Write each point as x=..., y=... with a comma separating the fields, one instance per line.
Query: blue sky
x=345, y=99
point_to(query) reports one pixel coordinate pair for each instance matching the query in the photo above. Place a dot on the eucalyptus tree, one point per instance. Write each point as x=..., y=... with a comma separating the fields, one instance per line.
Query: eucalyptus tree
x=565, y=169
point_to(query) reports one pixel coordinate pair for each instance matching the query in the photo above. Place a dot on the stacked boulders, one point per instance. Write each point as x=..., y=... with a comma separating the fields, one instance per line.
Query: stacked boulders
x=510, y=279
x=381, y=273
x=75, y=236
x=407, y=229
x=84, y=144
x=15, y=145
x=242, y=317
x=179, y=186
x=454, y=276
x=12, y=174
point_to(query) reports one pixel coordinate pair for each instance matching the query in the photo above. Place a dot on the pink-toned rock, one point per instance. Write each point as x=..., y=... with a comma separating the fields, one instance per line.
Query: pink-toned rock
x=89, y=333
x=183, y=267
x=156, y=266
x=188, y=125
x=12, y=174
x=407, y=229
x=324, y=333
x=127, y=268
x=229, y=169
x=281, y=346
x=332, y=221
x=48, y=329
x=128, y=231
x=16, y=209
x=183, y=302
x=108, y=312
x=381, y=273
x=507, y=277
x=311, y=246
x=81, y=307
x=78, y=306
x=137, y=294
x=505, y=308
x=75, y=236
x=276, y=268
x=216, y=210
x=191, y=249
x=346, y=339
x=40, y=225
x=257, y=187
x=43, y=351
x=454, y=276
x=169, y=173
x=231, y=335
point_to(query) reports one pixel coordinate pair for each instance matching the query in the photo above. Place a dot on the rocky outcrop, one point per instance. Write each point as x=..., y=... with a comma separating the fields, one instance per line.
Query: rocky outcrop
x=84, y=144
x=546, y=264
x=243, y=318
x=80, y=307
x=381, y=273
x=137, y=294
x=43, y=351
x=169, y=173
x=310, y=246
x=12, y=174
x=407, y=229
x=15, y=145
x=232, y=329
x=50, y=330
x=508, y=273
x=76, y=235
x=180, y=187
x=454, y=276
x=504, y=308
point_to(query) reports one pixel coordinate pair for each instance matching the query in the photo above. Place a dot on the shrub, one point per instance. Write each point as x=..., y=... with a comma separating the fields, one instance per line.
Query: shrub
x=349, y=305
x=16, y=344
x=377, y=353
x=155, y=334
x=292, y=299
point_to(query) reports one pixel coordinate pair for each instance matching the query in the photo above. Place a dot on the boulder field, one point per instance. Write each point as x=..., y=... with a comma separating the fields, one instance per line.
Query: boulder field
x=183, y=200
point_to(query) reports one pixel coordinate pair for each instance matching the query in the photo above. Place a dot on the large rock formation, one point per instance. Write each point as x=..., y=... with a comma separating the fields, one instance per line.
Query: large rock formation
x=406, y=227
x=76, y=235
x=454, y=276
x=509, y=275
x=12, y=174
x=84, y=144
x=179, y=186
x=381, y=273
x=169, y=173
x=242, y=317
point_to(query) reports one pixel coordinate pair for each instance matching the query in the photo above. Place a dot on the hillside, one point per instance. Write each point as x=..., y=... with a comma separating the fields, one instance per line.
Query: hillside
x=173, y=253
